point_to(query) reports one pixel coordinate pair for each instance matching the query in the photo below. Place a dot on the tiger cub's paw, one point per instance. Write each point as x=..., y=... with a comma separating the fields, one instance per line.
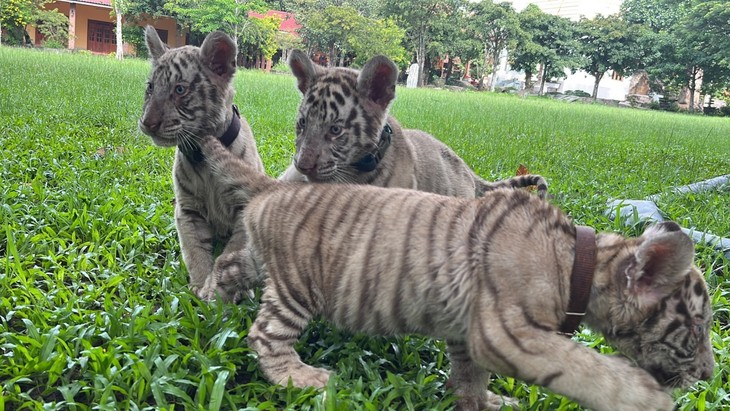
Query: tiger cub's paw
x=490, y=401
x=211, y=291
x=642, y=392
x=306, y=376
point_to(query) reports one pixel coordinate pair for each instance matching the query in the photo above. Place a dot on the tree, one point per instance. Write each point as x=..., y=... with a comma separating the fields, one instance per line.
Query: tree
x=54, y=27
x=606, y=43
x=344, y=33
x=546, y=40
x=260, y=37
x=328, y=30
x=691, y=40
x=450, y=37
x=230, y=16
x=15, y=15
x=496, y=26
x=120, y=8
x=418, y=19
x=708, y=24
x=657, y=15
x=375, y=36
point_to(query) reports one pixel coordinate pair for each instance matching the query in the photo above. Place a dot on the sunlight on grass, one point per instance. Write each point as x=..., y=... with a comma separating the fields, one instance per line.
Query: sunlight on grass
x=94, y=305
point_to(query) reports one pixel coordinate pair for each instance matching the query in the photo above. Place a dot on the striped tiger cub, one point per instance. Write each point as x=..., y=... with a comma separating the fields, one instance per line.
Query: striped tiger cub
x=190, y=95
x=395, y=261
x=345, y=135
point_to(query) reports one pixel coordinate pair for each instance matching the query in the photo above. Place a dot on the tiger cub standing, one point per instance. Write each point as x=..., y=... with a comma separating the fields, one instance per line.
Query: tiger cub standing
x=190, y=95
x=395, y=261
x=345, y=135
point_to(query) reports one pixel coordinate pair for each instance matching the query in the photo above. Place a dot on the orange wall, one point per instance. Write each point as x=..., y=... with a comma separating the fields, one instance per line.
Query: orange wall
x=174, y=37
x=85, y=13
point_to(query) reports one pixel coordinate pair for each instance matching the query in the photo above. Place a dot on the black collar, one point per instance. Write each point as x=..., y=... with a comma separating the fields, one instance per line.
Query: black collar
x=195, y=156
x=581, y=279
x=370, y=161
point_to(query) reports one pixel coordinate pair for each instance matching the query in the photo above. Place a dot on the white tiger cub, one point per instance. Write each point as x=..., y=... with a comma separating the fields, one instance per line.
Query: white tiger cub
x=345, y=135
x=492, y=276
x=190, y=95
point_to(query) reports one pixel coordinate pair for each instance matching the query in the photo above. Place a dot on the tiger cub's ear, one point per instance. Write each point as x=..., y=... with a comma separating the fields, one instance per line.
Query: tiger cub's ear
x=303, y=69
x=377, y=81
x=155, y=46
x=218, y=53
x=660, y=265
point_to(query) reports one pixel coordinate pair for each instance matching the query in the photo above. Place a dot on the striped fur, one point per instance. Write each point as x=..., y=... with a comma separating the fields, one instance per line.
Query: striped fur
x=340, y=119
x=489, y=275
x=189, y=95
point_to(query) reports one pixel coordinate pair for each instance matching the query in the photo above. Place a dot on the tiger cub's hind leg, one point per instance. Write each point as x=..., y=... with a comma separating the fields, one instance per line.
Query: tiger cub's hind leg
x=470, y=381
x=273, y=334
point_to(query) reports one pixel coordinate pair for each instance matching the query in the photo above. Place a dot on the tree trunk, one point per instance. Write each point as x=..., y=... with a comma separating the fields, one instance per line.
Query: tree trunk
x=1, y=33
x=692, y=86
x=118, y=5
x=528, y=80
x=486, y=67
x=542, y=80
x=495, y=66
x=597, y=77
x=331, y=61
x=421, y=57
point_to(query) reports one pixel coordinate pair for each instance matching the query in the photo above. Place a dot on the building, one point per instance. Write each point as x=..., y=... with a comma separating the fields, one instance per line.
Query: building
x=92, y=27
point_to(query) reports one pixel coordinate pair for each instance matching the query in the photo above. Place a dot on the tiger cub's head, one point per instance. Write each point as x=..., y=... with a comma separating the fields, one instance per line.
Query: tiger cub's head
x=656, y=308
x=341, y=115
x=189, y=90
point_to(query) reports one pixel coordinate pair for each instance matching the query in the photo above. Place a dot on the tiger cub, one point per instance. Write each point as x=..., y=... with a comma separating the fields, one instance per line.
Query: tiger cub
x=395, y=261
x=345, y=135
x=189, y=95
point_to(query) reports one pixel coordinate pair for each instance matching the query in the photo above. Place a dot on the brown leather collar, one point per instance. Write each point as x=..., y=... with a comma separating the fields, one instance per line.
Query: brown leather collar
x=581, y=279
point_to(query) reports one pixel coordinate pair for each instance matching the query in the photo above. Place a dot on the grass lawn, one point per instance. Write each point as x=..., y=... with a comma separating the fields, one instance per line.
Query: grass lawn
x=94, y=307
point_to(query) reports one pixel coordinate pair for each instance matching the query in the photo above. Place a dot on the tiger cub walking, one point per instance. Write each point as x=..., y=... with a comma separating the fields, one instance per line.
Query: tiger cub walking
x=394, y=261
x=190, y=95
x=345, y=135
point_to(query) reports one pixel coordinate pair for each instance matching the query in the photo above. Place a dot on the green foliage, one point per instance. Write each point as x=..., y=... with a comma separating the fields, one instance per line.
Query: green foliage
x=497, y=27
x=606, y=43
x=449, y=36
x=689, y=42
x=420, y=19
x=15, y=15
x=210, y=15
x=373, y=36
x=260, y=36
x=95, y=312
x=547, y=40
x=54, y=26
x=134, y=35
x=344, y=32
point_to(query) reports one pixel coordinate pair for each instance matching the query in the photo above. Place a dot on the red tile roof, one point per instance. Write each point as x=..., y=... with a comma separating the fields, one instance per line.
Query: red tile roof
x=288, y=22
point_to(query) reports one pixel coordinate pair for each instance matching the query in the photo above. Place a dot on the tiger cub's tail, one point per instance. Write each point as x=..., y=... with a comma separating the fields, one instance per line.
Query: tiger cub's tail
x=522, y=181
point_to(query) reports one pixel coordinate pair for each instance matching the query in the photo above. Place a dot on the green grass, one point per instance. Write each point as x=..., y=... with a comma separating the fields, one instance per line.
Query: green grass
x=94, y=307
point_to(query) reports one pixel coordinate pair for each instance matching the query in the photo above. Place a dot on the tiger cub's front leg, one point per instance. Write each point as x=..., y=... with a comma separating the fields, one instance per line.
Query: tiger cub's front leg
x=196, y=244
x=601, y=382
x=235, y=272
x=273, y=334
x=470, y=381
